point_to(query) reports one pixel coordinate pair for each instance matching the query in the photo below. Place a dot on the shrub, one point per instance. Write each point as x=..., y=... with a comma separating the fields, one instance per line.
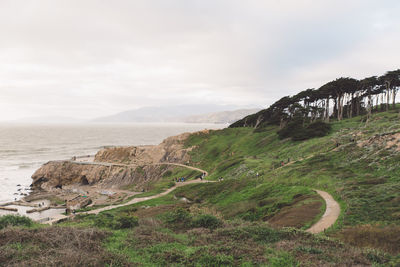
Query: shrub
x=206, y=221
x=167, y=173
x=123, y=222
x=290, y=129
x=103, y=220
x=297, y=132
x=178, y=216
x=115, y=222
x=316, y=129
x=15, y=220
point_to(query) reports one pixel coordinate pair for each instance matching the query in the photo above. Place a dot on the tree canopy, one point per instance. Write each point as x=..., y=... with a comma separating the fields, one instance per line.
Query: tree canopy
x=349, y=97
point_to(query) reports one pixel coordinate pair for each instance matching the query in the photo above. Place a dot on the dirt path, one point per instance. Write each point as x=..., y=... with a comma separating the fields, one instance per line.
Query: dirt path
x=135, y=200
x=330, y=216
x=108, y=164
x=141, y=199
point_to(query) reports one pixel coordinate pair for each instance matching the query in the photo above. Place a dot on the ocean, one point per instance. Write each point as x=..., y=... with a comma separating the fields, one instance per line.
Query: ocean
x=24, y=148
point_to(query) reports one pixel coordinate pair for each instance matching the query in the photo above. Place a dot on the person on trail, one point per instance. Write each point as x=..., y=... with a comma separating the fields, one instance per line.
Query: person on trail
x=257, y=174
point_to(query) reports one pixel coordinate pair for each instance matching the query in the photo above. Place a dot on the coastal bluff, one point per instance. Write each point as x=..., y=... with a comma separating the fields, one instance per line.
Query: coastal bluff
x=115, y=166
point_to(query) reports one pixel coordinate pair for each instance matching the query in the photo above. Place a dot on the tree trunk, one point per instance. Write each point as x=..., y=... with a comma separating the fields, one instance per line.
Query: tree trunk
x=341, y=106
x=387, y=96
x=327, y=110
x=259, y=119
x=335, y=107
x=351, y=105
x=369, y=108
x=394, y=97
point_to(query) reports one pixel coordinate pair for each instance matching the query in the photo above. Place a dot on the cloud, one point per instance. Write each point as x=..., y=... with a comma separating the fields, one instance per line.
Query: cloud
x=92, y=58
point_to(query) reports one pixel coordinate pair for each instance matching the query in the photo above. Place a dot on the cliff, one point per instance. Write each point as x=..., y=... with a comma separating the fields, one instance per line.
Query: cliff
x=141, y=169
x=170, y=150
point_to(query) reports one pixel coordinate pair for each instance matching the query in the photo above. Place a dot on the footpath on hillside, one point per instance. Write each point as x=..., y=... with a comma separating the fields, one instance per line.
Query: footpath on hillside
x=332, y=212
x=330, y=216
x=61, y=217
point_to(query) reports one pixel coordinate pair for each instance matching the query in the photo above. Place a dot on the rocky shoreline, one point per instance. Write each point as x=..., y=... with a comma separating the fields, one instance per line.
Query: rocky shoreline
x=73, y=184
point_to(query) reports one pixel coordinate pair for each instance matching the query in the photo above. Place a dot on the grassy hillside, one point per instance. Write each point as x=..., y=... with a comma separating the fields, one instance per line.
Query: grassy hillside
x=357, y=163
x=267, y=184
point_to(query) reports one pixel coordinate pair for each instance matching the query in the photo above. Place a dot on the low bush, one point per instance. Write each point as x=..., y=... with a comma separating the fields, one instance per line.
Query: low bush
x=115, y=222
x=167, y=173
x=386, y=238
x=298, y=132
x=15, y=220
x=56, y=246
x=290, y=129
x=316, y=129
x=124, y=222
x=178, y=216
x=206, y=221
x=182, y=219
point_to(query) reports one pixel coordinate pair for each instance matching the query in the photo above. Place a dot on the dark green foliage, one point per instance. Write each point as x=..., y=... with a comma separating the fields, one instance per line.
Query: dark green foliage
x=14, y=220
x=178, y=216
x=206, y=221
x=290, y=130
x=167, y=173
x=121, y=221
x=297, y=132
x=182, y=219
x=313, y=104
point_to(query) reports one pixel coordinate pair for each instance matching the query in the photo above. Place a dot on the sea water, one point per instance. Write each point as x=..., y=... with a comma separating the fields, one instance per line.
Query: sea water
x=24, y=148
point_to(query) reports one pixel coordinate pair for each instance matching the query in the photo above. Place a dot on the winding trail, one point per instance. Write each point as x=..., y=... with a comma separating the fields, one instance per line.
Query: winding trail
x=330, y=216
x=332, y=212
x=108, y=164
x=60, y=217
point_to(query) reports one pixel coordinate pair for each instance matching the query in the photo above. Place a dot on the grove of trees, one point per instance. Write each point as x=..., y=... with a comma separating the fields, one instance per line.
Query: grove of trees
x=337, y=99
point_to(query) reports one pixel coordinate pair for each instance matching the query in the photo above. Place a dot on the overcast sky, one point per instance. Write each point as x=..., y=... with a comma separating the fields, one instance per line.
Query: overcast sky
x=82, y=58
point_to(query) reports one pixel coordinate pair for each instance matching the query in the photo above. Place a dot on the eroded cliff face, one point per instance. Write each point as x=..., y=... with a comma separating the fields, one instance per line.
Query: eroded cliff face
x=140, y=166
x=170, y=150
x=58, y=173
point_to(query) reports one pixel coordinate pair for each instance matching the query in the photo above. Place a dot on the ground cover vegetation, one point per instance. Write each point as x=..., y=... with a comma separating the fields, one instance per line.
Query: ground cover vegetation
x=264, y=169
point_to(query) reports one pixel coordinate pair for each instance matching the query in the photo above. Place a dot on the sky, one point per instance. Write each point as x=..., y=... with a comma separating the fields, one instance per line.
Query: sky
x=86, y=59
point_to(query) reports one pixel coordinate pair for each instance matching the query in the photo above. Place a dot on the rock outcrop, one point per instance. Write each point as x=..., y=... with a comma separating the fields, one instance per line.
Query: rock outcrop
x=170, y=150
x=140, y=164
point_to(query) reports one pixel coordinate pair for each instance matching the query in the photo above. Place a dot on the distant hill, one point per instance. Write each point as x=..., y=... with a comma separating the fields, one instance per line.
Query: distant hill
x=220, y=117
x=182, y=113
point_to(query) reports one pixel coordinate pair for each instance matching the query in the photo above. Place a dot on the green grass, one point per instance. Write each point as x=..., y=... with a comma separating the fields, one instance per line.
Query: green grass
x=225, y=223
x=364, y=179
x=167, y=181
